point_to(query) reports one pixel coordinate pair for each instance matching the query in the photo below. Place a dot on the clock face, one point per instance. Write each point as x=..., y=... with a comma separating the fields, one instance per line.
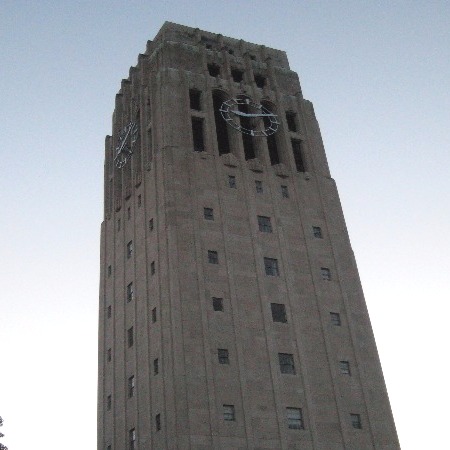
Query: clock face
x=249, y=117
x=126, y=142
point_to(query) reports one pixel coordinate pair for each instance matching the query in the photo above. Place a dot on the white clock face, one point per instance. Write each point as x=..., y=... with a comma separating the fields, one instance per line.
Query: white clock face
x=249, y=117
x=126, y=142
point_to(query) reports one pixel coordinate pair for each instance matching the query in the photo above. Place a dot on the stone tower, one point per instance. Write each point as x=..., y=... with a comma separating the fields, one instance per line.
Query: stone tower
x=231, y=310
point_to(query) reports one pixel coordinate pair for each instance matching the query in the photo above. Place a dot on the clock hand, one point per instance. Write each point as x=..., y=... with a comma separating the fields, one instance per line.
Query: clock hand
x=243, y=114
x=122, y=144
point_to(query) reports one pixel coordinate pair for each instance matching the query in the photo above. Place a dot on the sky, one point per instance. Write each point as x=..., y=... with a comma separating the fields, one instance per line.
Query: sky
x=378, y=76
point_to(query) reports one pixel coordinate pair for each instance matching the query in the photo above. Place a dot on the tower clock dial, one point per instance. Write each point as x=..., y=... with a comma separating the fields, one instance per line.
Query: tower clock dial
x=126, y=143
x=249, y=117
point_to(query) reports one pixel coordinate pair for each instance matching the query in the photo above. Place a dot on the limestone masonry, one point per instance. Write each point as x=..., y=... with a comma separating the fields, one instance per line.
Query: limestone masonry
x=231, y=310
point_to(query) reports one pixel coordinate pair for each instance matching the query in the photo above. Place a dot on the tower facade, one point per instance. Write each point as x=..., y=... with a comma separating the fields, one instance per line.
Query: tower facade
x=231, y=310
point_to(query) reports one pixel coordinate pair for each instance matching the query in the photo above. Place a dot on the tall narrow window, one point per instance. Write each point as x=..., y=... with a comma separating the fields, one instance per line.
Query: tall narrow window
x=260, y=81
x=129, y=249
x=259, y=187
x=284, y=192
x=152, y=268
x=297, y=149
x=232, y=181
x=194, y=99
x=278, y=312
x=131, y=385
x=108, y=402
x=132, y=439
x=158, y=422
x=139, y=200
x=109, y=270
x=271, y=139
x=130, y=292
x=295, y=418
x=153, y=315
x=150, y=225
x=197, y=134
x=118, y=224
x=291, y=121
x=129, y=213
x=130, y=337
x=271, y=267
x=223, y=142
x=155, y=366
x=109, y=355
x=247, y=139
x=109, y=312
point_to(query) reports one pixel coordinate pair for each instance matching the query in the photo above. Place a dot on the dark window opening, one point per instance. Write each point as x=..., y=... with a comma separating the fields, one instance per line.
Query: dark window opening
x=118, y=224
x=295, y=418
x=197, y=134
x=154, y=315
x=259, y=187
x=130, y=337
x=326, y=273
x=223, y=142
x=155, y=366
x=335, y=319
x=214, y=70
x=129, y=249
x=238, y=75
x=150, y=224
x=298, y=155
x=109, y=312
x=158, y=422
x=264, y=224
x=131, y=385
x=271, y=267
x=109, y=357
x=356, y=421
x=130, y=292
x=132, y=438
x=260, y=81
x=152, y=268
x=129, y=213
x=271, y=143
x=278, y=312
x=232, y=181
x=317, y=232
x=253, y=57
x=213, y=257
x=228, y=412
x=217, y=304
x=222, y=354
x=109, y=270
x=291, y=122
x=344, y=367
x=286, y=361
x=247, y=139
x=108, y=403
x=231, y=52
x=194, y=99
x=284, y=192
x=208, y=213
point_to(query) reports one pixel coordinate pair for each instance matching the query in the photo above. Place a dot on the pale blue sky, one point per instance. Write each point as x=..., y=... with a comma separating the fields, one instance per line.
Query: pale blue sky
x=378, y=75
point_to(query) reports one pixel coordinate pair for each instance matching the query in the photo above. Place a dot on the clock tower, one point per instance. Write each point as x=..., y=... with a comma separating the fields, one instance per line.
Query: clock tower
x=231, y=311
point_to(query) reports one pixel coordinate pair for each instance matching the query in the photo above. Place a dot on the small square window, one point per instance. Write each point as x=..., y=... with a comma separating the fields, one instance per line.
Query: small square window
x=238, y=75
x=326, y=273
x=129, y=213
x=259, y=187
x=286, y=361
x=317, y=232
x=223, y=356
x=130, y=337
x=232, y=181
x=109, y=355
x=344, y=367
x=155, y=366
x=158, y=422
x=295, y=418
x=356, y=421
x=139, y=201
x=109, y=312
x=131, y=385
x=109, y=270
x=132, y=438
x=271, y=267
x=129, y=249
x=260, y=81
x=264, y=224
x=109, y=403
x=118, y=224
x=214, y=70
x=152, y=268
x=150, y=224
x=278, y=312
x=213, y=257
x=195, y=99
x=130, y=293
x=208, y=213
x=291, y=121
x=335, y=319
x=284, y=191
x=154, y=315
x=217, y=304
x=228, y=413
